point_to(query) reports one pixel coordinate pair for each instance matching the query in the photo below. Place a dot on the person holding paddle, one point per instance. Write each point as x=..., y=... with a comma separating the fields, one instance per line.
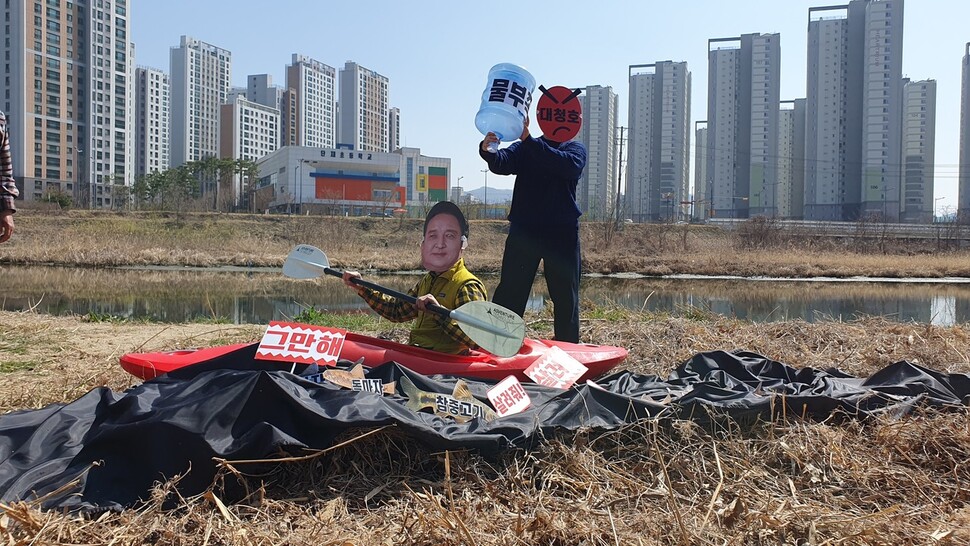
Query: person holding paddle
x=446, y=284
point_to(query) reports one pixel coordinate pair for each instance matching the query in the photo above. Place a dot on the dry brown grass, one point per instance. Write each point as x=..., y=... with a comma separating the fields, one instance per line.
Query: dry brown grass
x=99, y=239
x=883, y=481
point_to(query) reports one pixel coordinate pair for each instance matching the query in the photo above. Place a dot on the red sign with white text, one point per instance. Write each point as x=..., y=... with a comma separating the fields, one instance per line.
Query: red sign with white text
x=304, y=343
x=556, y=369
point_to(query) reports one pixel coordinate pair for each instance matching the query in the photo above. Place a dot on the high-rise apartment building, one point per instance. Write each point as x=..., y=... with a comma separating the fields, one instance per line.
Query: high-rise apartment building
x=743, y=90
x=393, y=129
x=67, y=91
x=882, y=107
x=919, y=151
x=201, y=76
x=248, y=131
x=288, y=116
x=313, y=103
x=854, y=111
x=260, y=89
x=363, y=109
x=596, y=192
x=657, y=170
x=151, y=121
x=234, y=93
x=700, y=201
x=833, y=119
x=963, y=187
x=791, y=160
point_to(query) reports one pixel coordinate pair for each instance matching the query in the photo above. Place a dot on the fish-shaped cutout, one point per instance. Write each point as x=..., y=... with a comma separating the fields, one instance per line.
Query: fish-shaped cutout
x=460, y=405
x=355, y=380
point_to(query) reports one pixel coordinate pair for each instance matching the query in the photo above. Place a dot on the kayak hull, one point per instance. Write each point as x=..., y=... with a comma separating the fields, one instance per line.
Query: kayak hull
x=598, y=359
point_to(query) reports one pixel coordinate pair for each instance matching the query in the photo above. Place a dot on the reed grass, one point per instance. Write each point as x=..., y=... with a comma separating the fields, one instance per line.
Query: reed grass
x=87, y=238
x=881, y=481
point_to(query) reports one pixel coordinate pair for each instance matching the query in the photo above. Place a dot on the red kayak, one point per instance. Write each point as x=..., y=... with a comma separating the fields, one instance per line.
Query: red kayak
x=599, y=359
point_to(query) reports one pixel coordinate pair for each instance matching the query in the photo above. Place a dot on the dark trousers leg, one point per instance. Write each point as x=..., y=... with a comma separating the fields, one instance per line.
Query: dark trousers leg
x=519, y=265
x=561, y=265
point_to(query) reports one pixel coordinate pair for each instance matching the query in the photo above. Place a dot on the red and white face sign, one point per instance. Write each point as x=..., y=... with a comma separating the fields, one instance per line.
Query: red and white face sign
x=559, y=113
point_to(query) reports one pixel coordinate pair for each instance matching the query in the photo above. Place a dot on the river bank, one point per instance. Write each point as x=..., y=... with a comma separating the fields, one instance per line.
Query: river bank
x=106, y=239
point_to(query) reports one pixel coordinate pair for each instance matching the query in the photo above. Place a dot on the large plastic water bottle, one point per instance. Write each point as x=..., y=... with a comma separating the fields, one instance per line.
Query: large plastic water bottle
x=505, y=102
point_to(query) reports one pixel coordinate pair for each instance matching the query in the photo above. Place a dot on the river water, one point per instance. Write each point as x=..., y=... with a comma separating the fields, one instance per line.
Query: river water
x=257, y=296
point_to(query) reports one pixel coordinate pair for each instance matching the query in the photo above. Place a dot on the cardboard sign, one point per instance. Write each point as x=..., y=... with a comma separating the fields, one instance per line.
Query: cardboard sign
x=352, y=379
x=303, y=343
x=560, y=113
x=556, y=369
x=461, y=405
x=508, y=396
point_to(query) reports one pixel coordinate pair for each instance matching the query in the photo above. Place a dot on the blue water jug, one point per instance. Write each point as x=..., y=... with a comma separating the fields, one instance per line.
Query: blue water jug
x=505, y=102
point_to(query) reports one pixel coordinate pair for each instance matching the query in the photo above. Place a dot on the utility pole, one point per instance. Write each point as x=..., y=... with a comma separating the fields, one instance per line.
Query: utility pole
x=485, y=198
x=619, y=178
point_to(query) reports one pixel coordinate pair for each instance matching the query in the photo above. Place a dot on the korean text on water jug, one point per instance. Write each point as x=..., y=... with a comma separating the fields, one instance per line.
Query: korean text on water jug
x=505, y=102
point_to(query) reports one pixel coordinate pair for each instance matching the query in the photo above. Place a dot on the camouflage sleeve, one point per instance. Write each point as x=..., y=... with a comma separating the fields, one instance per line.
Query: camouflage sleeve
x=391, y=308
x=8, y=188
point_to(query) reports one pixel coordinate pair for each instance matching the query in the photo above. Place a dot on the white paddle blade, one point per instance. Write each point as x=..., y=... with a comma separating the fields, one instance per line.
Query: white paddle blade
x=493, y=327
x=305, y=262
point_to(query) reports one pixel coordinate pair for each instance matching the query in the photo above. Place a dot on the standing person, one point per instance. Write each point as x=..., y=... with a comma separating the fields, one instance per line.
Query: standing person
x=8, y=187
x=544, y=216
x=446, y=284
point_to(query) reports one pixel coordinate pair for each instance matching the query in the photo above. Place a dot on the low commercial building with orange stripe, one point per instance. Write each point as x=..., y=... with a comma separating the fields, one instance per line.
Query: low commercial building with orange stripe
x=347, y=182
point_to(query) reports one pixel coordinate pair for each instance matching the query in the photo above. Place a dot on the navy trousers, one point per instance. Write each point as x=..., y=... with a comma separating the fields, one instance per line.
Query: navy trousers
x=559, y=252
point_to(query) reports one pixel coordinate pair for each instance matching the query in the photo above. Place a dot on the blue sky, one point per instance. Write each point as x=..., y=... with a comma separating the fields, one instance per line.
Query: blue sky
x=437, y=53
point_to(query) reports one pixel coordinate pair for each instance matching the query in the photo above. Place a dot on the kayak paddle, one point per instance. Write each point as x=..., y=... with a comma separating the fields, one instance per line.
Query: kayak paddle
x=493, y=327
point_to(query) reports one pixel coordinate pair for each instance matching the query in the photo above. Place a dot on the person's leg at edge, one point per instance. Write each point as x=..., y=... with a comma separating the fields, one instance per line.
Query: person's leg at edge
x=519, y=265
x=562, y=271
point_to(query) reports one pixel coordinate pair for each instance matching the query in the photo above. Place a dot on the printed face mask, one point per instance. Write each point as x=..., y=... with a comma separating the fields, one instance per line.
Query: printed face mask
x=560, y=113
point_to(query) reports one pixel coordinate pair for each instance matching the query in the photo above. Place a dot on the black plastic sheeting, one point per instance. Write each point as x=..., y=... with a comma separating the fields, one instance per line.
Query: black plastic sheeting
x=118, y=445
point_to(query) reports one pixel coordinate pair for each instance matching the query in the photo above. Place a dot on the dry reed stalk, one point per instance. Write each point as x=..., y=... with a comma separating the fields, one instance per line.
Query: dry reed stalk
x=76, y=238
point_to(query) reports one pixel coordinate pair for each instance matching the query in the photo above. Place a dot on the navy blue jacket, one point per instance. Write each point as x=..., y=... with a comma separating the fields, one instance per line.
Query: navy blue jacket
x=546, y=175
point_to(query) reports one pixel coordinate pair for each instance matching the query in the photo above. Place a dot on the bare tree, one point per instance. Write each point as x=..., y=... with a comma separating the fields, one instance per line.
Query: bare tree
x=759, y=232
x=331, y=199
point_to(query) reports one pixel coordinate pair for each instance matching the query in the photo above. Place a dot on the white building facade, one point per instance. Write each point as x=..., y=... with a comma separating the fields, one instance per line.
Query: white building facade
x=67, y=92
x=201, y=76
x=248, y=131
x=363, y=109
x=353, y=182
x=596, y=191
x=151, y=121
x=314, y=88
